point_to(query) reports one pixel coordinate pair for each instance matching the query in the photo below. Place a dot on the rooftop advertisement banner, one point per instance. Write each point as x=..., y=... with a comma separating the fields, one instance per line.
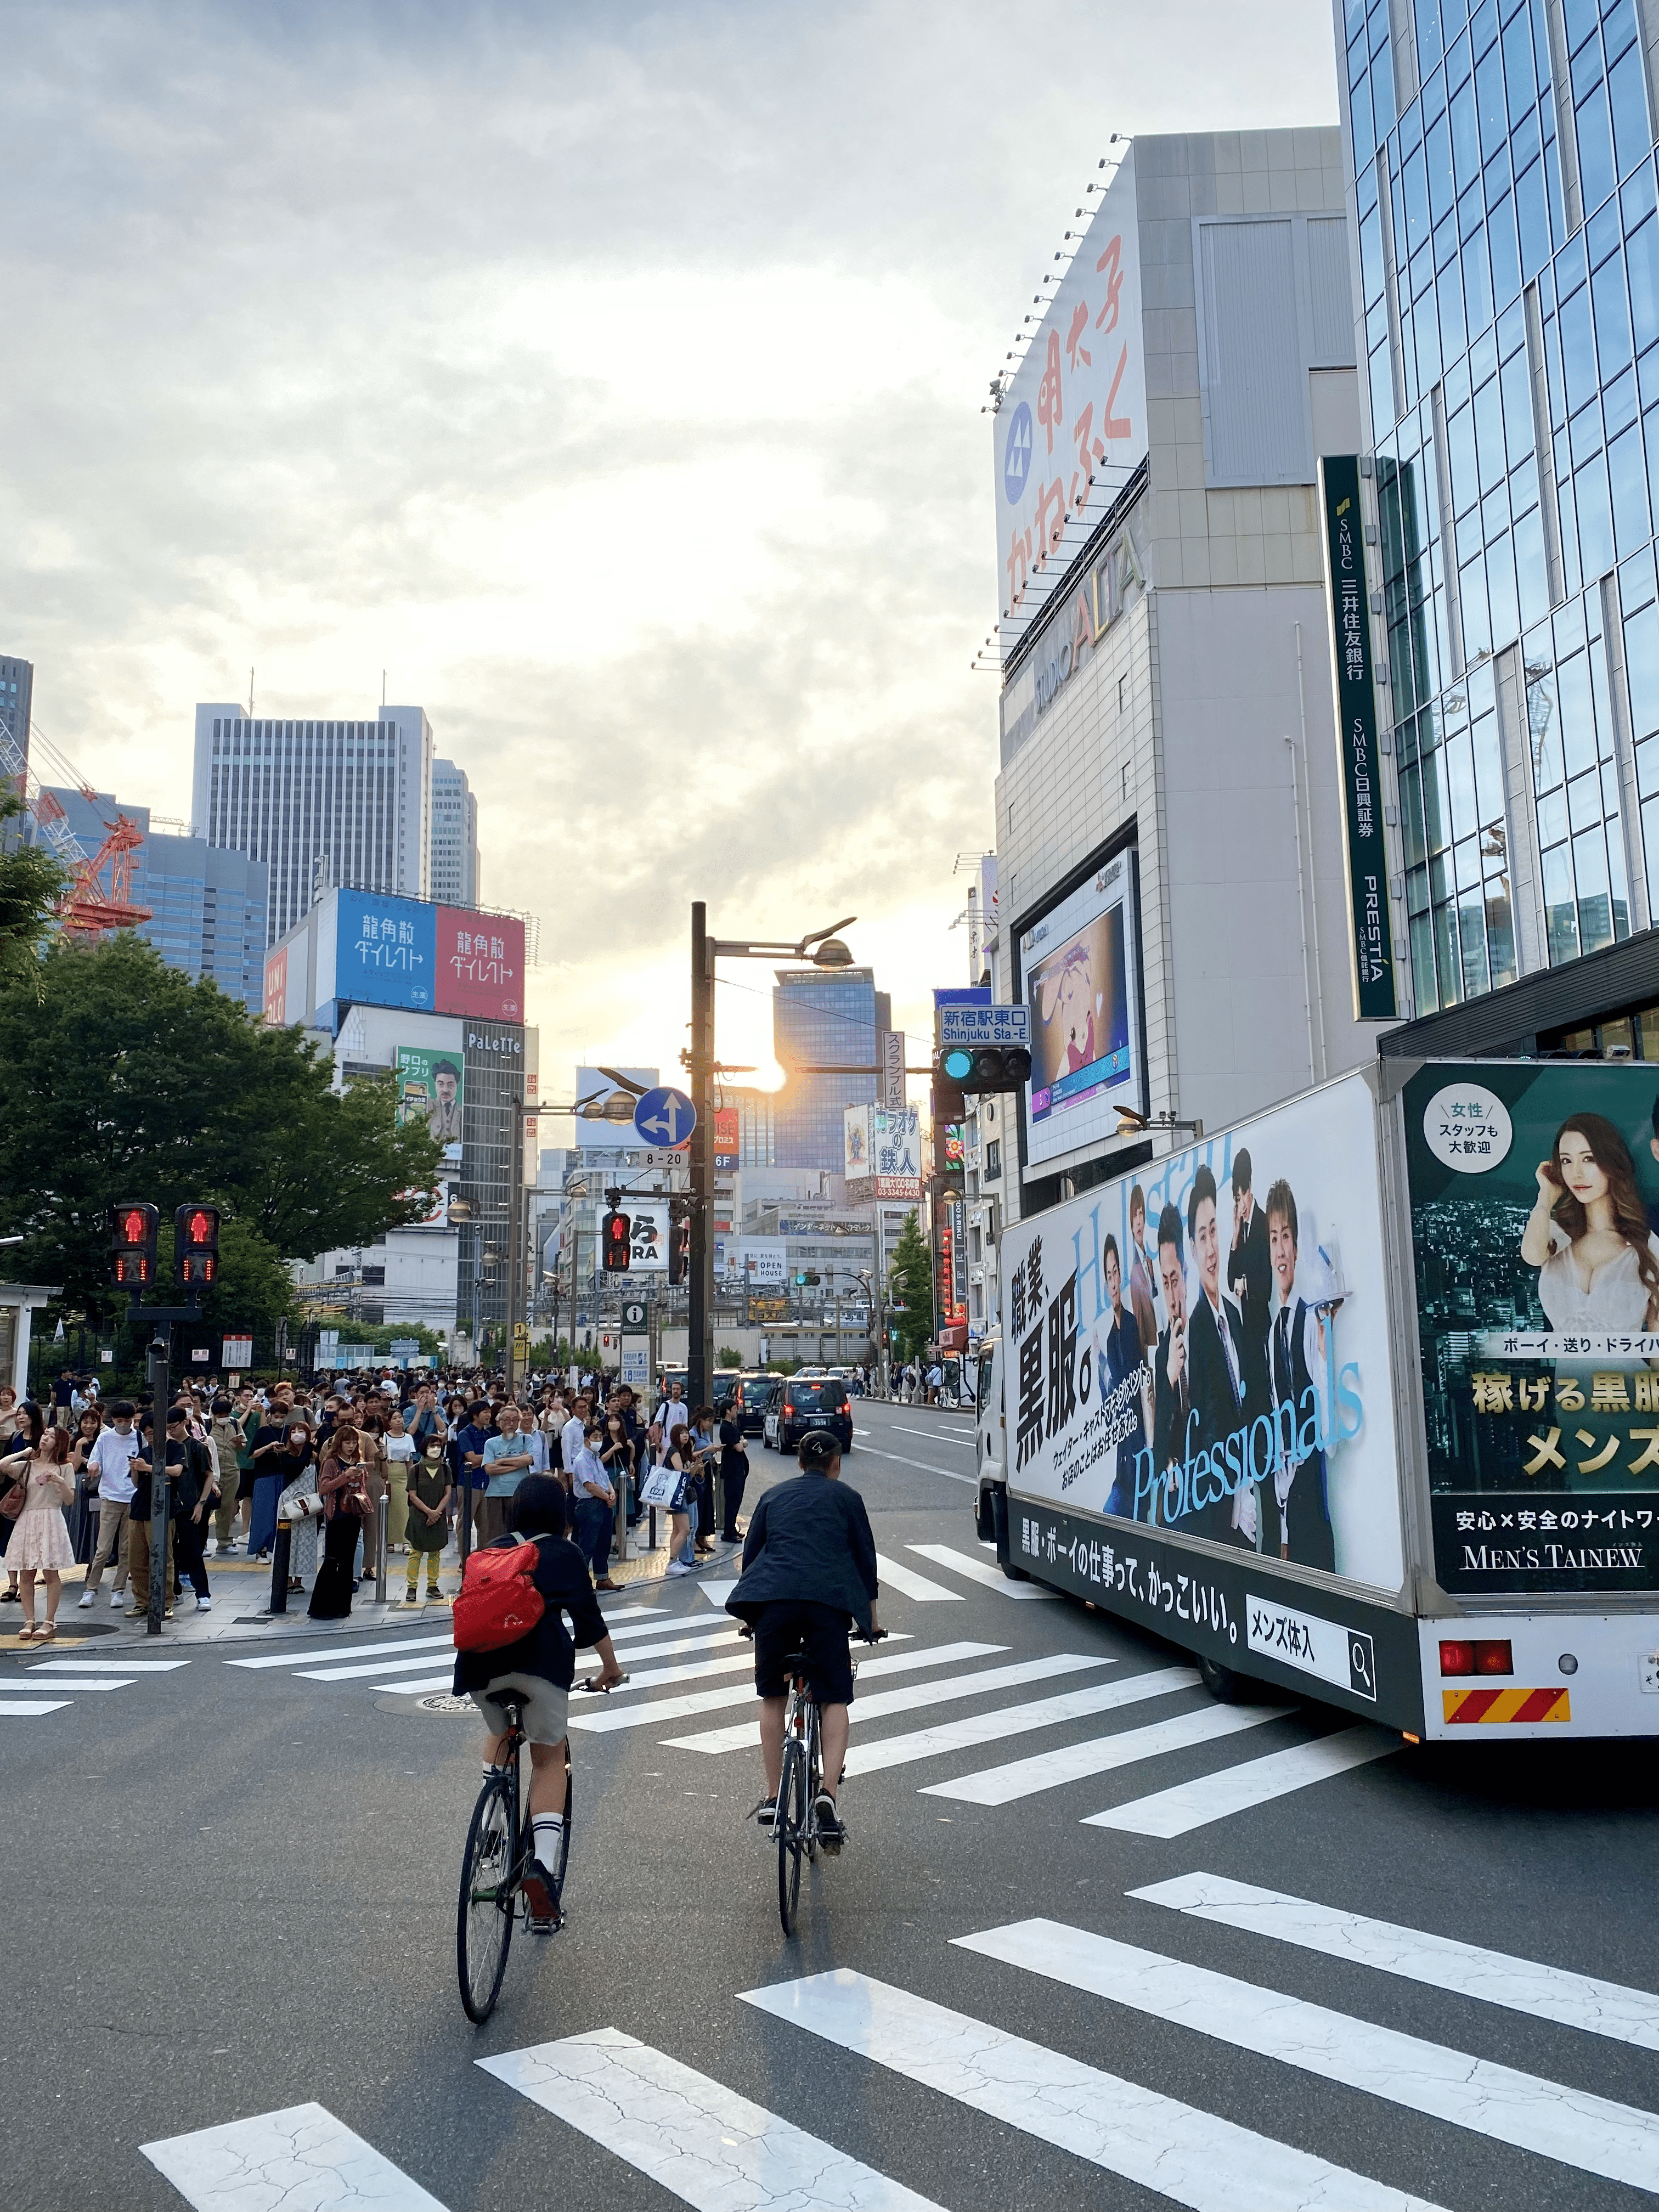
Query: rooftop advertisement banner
x=480, y=964
x=1071, y=427
x=373, y=950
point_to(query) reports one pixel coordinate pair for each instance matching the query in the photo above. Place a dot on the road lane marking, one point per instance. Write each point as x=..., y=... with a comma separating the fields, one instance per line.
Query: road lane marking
x=736, y=1663
x=699, y=2140
x=717, y=1593
x=388, y=1647
x=951, y=1474
x=918, y=1694
x=1235, y=1789
x=21, y=1709
x=695, y=1639
x=1580, y=2000
x=362, y=1668
x=934, y=1435
x=978, y=1570
x=1573, y=2126
x=992, y=1727
x=1102, y=1754
x=107, y=1667
x=711, y=1701
x=78, y=1683
x=302, y=2158
x=1191, y=2157
x=909, y=1584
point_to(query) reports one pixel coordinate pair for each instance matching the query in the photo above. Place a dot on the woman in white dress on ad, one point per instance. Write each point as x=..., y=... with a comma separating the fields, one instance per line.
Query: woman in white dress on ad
x=1588, y=1236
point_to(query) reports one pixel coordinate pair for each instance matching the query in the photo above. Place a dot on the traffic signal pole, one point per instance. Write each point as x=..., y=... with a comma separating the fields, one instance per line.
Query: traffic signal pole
x=161, y=1387
x=700, y=1330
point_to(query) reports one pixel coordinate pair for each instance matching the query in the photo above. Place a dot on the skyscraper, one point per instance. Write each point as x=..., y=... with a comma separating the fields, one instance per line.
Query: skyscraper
x=454, y=864
x=16, y=696
x=822, y=1017
x=346, y=803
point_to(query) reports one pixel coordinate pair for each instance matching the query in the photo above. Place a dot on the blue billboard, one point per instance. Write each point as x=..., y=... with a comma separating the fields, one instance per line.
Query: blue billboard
x=383, y=952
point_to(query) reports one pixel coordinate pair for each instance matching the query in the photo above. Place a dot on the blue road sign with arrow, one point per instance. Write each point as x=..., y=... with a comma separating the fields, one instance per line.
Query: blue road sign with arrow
x=665, y=1118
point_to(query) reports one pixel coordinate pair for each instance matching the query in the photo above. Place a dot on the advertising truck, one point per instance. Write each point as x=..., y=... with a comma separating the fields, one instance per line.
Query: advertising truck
x=1359, y=1399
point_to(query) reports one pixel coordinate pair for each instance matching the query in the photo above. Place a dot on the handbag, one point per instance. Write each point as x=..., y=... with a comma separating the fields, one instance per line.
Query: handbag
x=308, y=1506
x=659, y=1486
x=14, y=1499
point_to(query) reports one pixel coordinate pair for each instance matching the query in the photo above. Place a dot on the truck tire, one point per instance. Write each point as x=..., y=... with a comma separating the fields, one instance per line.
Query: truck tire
x=1015, y=1574
x=1223, y=1684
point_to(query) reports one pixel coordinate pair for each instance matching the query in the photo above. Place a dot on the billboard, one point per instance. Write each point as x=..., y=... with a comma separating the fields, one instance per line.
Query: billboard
x=1081, y=981
x=276, y=985
x=479, y=964
x=1371, y=934
x=858, y=1143
x=762, y=1262
x=431, y=1088
x=882, y=1154
x=1205, y=1346
x=1534, y=1195
x=592, y=1084
x=647, y=1231
x=1071, y=427
x=376, y=950
x=726, y=1136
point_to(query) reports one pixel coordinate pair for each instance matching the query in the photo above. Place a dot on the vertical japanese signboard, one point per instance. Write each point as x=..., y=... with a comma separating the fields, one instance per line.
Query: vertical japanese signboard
x=1370, y=926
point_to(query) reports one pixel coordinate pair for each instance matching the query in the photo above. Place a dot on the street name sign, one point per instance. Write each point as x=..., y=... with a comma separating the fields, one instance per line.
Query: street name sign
x=973, y=1026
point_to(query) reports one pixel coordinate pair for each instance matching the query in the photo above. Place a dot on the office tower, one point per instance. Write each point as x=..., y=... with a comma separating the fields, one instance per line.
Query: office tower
x=16, y=696
x=820, y=1017
x=322, y=803
x=207, y=907
x=454, y=864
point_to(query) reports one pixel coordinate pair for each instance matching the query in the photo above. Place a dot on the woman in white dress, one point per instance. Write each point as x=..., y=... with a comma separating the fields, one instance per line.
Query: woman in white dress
x=304, y=1523
x=1588, y=1236
x=40, y=1537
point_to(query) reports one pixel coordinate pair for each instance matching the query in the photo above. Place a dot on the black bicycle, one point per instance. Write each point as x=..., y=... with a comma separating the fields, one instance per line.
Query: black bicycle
x=500, y=1847
x=795, y=1821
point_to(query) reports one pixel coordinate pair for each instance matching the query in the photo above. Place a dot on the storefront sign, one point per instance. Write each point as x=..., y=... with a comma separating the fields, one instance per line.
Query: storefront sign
x=1370, y=928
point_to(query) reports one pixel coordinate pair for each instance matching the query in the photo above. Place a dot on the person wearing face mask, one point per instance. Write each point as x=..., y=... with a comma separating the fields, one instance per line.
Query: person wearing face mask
x=428, y=1492
x=296, y=1506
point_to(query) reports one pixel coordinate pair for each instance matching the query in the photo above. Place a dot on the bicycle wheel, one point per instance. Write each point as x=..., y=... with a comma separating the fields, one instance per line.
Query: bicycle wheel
x=791, y=1826
x=483, y=1913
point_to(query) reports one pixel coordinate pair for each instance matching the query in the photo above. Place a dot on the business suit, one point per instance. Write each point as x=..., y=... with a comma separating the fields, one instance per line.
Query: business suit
x=1123, y=1359
x=1251, y=1280
x=1228, y=1396
x=1312, y=1539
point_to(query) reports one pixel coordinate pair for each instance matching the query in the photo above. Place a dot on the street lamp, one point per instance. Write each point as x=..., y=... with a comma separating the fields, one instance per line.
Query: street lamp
x=1130, y=1123
x=824, y=949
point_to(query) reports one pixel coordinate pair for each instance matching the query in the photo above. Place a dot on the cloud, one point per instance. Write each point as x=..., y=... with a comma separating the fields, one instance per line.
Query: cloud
x=612, y=378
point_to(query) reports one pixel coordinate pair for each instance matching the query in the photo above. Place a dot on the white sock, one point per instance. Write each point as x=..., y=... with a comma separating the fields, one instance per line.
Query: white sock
x=549, y=1834
x=493, y=1773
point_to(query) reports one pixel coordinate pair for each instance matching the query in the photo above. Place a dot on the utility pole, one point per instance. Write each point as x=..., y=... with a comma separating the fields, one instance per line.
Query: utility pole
x=161, y=1567
x=699, y=1329
x=514, y=1243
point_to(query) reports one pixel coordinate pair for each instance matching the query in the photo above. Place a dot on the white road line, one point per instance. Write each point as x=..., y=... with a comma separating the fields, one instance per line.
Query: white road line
x=700, y=2140
x=701, y=1639
x=80, y=1682
x=1551, y=1993
x=909, y=1584
x=388, y=1647
x=420, y=1684
x=1191, y=2157
x=639, y=1612
x=717, y=1593
x=737, y=1662
x=107, y=1667
x=1102, y=1754
x=302, y=2158
x=934, y=1435
x=978, y=1570
x=361, y=1668
x=713, y=1701
x=975, y=1729
x=908, y=1700
x=1592, y=2133
x=1235, y=1789
x=951, y=1474
x=20, y=1708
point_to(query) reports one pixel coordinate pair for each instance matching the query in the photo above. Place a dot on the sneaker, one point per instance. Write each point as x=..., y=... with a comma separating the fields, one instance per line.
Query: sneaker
x=831, y=1834
x=117, y=1599
x=205, y=1605
x=88, y=1597
x=136, y=1612
x=229, y=1551
x=439, y=1597
x=546, y=1917
x=766, y=1813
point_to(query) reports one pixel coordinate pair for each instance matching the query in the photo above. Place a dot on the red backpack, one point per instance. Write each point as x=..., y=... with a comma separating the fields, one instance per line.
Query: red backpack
x=498, y=1602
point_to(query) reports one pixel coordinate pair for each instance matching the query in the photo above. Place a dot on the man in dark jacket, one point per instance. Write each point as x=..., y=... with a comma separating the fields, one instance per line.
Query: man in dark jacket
x=809, y=1565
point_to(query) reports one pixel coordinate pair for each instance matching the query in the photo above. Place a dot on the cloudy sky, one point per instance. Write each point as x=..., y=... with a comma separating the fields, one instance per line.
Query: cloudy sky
x=610, y=377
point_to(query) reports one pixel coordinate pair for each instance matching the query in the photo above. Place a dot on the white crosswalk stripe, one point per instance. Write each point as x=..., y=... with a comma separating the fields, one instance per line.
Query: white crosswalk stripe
x=1579, y=2000
x=1174, y=2149
x=306, y=1650
x=107, y=1667
x=30, y=1709
x=1572, y=2126
x=72, y=1677
x=1100, y=1754
x=975, y=1729
x=302, y=2158
x=710, y=1701
x=981, y=1572
x=1191, y=1805
x=919, y=1694
x=700, y=2140
x=909, y=1584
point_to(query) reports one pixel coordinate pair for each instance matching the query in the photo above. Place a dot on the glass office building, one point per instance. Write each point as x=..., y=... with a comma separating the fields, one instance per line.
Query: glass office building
x=1508, y=253
x=823, y=1017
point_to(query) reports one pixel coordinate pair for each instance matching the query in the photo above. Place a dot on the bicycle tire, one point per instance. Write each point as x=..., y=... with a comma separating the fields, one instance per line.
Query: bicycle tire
x=484, y=1908
x=791, y=1826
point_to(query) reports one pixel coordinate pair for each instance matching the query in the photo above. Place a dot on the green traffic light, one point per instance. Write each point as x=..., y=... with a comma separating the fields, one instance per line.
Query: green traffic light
x=958, y=1064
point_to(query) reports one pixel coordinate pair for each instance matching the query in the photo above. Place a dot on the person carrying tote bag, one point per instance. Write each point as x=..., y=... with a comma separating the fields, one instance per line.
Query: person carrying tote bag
x=344, y=1489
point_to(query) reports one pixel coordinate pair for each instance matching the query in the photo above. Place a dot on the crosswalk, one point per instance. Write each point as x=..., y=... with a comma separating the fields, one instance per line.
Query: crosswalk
x=51, y=1686
x=705, y=2143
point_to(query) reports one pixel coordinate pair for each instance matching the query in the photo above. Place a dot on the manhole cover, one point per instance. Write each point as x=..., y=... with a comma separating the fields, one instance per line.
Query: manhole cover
x=442, y=1702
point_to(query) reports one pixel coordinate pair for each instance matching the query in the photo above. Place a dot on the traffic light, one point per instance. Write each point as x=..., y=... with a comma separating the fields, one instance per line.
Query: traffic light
x=617, y=1242
x=196, y=1246
x=132, y=1233
x=679, y=1246
x=950, y=1064
x=960, y=1069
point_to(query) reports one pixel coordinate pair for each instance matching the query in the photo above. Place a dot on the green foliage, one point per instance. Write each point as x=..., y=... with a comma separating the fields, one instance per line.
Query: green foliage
x=728, y=1356
x=254, y=1292
x=910, y=1284
x=141, y=1084
x=381, y=1334
x=32, y=881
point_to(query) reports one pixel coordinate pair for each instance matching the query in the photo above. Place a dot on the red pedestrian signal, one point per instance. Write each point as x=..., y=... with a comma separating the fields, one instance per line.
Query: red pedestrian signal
x=196, y=1246
x=132, y=1234
x=616, y=1242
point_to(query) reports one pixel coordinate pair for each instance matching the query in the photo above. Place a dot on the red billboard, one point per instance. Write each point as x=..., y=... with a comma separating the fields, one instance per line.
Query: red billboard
x=480, y=964
x=276, y=985
x=726, y=1137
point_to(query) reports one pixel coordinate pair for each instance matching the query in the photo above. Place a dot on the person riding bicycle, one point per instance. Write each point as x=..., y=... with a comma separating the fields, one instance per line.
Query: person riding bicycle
x=539, y=1669
x=809, y=1567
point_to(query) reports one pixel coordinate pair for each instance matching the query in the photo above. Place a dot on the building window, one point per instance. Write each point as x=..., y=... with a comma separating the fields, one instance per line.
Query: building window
x=992, y=1160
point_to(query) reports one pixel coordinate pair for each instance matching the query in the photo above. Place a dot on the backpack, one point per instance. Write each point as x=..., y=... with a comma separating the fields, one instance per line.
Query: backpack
x=498, y=1602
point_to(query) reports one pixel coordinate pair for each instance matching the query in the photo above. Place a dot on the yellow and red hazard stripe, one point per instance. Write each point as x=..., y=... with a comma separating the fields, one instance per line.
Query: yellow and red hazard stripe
x=1512, y=1706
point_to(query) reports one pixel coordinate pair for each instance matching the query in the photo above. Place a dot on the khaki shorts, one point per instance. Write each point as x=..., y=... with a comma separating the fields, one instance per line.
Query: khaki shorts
x=546, y=1706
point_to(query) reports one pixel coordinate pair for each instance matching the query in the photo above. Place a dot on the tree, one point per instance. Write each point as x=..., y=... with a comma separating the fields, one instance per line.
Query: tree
x=911, y=1285
x=128, y=1080
x=31, y=882
x=254, y=1292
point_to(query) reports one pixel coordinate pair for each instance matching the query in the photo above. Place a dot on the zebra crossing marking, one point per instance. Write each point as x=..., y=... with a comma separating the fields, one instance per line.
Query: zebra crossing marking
x=977, y=1570
x=387, y=1648
x=1573, y=2126
x=736, y=1663
x=709, y=1701
x=301, y=2158
x=107, y=1667
x=78, y=1683
x=909, y=1584
x=1174, y=2149
x=1020, y=1720
x=699, y=2140
x=28, y=1709
x=1441, y=1962
x=1190, y=1805
x=1102, y=1754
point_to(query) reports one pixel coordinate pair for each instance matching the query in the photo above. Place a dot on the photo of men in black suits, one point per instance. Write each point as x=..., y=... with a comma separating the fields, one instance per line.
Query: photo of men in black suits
x=1249, y=1268
x=1123, y=1359
x=1300, y=1514
x=1172, y=1397
x=1229, y=1381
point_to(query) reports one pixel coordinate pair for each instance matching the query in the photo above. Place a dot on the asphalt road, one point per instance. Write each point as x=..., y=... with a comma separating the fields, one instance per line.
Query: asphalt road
x=230, y=1891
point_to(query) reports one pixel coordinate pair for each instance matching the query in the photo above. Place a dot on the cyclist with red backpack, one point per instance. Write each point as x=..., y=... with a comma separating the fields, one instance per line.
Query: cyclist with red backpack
x=510, y=1636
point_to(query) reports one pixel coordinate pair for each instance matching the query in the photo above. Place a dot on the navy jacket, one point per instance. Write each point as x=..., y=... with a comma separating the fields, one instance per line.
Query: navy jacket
x=808, y=1539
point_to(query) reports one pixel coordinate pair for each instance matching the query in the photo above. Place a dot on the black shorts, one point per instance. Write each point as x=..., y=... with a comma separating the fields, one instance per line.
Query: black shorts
x=821, y=1630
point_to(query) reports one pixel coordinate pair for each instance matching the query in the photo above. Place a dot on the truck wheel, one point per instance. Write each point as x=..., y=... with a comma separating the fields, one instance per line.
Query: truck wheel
x=1015, y=1574
x=1223, y=1684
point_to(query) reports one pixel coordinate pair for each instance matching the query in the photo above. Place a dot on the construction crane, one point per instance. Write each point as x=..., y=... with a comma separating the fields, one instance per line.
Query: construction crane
x=90, y=905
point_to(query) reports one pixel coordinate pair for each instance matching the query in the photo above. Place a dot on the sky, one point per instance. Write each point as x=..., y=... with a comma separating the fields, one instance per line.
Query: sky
x=613, y=379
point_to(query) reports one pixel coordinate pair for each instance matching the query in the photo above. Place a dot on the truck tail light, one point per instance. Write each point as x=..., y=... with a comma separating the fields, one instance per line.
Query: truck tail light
x=1494, y=1656
x=1456, y=1658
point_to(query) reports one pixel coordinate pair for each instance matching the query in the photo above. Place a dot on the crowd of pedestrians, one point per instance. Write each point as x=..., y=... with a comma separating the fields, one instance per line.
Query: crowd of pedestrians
x=243, y=1463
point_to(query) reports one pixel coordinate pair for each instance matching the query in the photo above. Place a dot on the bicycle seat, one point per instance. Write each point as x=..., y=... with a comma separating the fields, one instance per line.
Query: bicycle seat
x=511, y=1703
x=796, y=1663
